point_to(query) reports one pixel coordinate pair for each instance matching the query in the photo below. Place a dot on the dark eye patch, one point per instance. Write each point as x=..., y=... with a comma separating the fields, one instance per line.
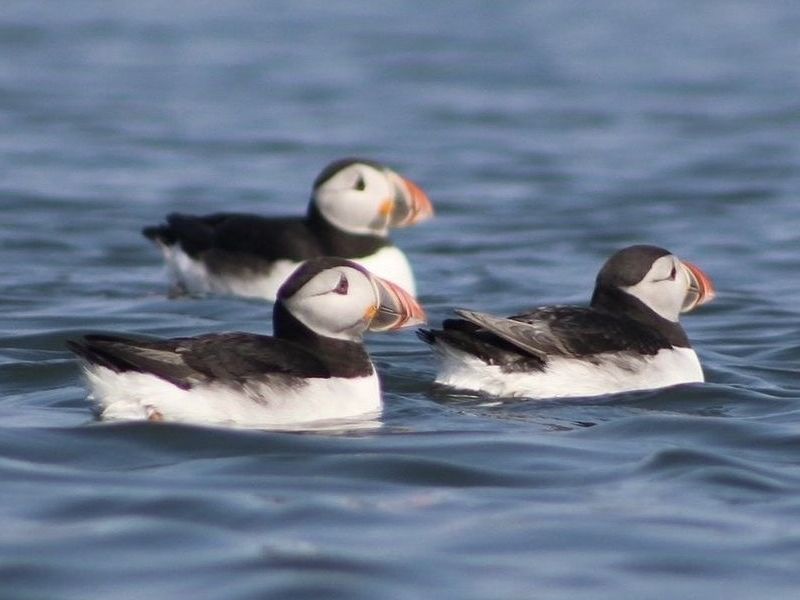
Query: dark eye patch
x=360, y=184
x=342, y=286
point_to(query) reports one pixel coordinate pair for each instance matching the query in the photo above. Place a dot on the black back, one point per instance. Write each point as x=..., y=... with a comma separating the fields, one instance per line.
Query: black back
x=232, y=242
x=564, y=331
x=615, y=322
x=295, y=352
x=228, y=358
x=236, y=242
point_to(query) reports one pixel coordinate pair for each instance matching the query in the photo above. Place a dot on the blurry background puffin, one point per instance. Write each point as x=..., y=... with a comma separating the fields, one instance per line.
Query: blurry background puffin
x=354, y=203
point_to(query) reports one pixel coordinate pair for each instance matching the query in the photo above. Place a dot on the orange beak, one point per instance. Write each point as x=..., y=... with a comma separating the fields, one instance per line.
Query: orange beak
x=701, y=289
x=396, y=308
x=386, y=209
x=411, y=204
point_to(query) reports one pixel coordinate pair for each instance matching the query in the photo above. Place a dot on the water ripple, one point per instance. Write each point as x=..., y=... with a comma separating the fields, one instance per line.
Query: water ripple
x=547, y=136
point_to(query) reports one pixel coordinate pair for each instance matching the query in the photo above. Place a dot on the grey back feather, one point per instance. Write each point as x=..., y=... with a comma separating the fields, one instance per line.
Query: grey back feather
x=531, y=337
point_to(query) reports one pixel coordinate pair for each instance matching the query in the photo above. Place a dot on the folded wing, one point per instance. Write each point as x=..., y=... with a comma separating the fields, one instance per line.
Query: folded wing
x=568, y=331
x=185, y=362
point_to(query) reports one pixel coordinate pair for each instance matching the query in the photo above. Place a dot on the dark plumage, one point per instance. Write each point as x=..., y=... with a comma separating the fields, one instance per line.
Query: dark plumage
x=230, y=357
x=354, y=204
x=314, y=366
x=628, y=338
x=565, y=331
x=232, y=242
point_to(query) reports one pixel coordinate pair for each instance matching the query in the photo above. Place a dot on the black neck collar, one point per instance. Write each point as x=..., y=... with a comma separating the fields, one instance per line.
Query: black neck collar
x=336, y=242
x=615, y=301
x=342, y=358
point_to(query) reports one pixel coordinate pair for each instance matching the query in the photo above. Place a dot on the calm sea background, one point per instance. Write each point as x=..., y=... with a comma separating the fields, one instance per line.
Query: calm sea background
x=548, y=134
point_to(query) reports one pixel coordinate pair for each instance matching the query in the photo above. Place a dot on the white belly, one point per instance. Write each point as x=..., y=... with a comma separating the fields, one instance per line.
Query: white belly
x=391, y=263
x=137, y=396
x=193, y=275
x=567, y=377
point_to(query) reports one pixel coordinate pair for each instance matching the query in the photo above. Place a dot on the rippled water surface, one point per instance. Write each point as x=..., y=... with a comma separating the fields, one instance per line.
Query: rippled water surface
x=548, y=134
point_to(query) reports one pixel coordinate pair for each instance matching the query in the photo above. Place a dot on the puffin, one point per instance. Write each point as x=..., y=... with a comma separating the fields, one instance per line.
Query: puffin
x=354, y=203
x=628, y=338
x=314, y=368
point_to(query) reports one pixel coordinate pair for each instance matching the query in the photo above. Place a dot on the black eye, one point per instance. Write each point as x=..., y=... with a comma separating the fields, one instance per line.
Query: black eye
x=360, y=185
x=341, y=287
x=673, y=273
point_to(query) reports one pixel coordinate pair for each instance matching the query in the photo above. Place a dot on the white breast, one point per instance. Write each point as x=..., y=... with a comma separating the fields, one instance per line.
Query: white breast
x=193, y=275
x=196, y=278
x=276, y=404
x=568, y=377
x=391, y=263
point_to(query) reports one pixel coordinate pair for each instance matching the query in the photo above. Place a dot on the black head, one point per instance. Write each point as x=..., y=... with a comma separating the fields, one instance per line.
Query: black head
x=362, y=197
x=339, y=299
x=310, y=269
x=652, y=286
x=333, y=167
x=629, y=266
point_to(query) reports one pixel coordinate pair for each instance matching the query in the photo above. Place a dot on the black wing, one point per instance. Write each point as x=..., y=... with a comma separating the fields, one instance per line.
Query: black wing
x=262, y=238
x=485, y=345
x=528, y=340
x=570, y=331
x=184, y=362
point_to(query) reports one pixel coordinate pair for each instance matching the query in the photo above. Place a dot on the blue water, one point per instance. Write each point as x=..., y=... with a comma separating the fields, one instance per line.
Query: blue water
x=548, y=134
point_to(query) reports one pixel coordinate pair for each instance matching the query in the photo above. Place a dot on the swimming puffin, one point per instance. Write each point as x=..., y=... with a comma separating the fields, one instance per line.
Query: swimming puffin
x=354, y=203
x=314, y=368
x=629, y=337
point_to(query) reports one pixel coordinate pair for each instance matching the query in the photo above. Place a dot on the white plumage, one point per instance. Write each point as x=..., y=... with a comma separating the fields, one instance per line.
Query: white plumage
x=314, y=372
x=628, y=339
x=389, y=263
x=136, y=396
x=569, y=377
x=354, y=205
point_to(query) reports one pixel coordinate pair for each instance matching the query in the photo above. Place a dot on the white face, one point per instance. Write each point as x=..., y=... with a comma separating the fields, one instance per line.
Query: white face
x=358, y=199
x=338, y=302
x=664, y=287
